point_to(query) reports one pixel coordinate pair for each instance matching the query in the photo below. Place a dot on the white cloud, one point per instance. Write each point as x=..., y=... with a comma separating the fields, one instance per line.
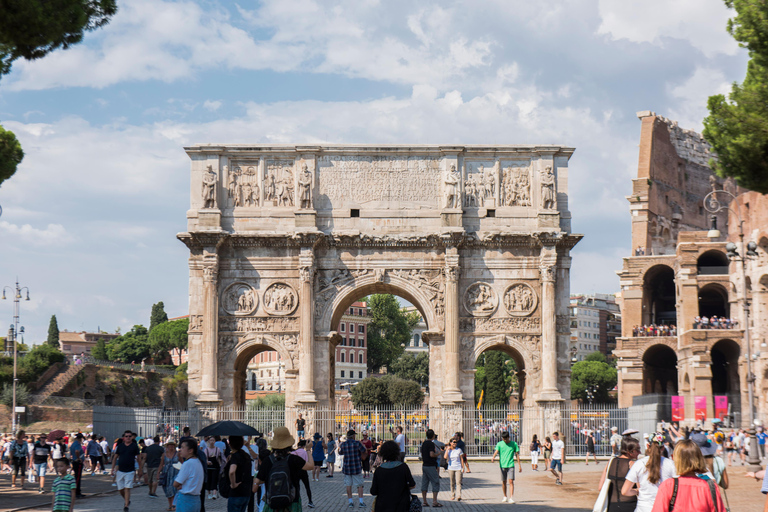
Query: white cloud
x=700, y=22
x=689, y=98
x=212, y=105
x=51, y=235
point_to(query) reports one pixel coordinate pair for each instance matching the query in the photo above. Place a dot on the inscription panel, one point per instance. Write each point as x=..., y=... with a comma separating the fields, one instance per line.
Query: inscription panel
x=378, y=179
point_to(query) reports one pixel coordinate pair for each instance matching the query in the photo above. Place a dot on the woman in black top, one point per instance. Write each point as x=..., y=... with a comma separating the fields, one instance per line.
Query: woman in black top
x=590, y=442
x=282, y=445
x=617, y=472
x=392, y=481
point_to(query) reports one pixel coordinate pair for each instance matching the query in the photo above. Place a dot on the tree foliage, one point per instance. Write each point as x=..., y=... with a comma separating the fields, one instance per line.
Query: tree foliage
x=37, y=361
x=601, y=376
x=53, y=332
x=596, y=356
x=495, y=377
x=410, y=366
x=386, y=391
x=168, y=336
x=737, y=128
x=22, y=395
x=11, y=153
x=100, y=351
x=389, y=329
x=271, y=401
x=158, y=316
x=31, y=29
x=133, y=346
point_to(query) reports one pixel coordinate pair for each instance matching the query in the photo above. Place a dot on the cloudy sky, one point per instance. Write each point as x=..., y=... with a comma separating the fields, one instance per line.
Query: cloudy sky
x=89, y=221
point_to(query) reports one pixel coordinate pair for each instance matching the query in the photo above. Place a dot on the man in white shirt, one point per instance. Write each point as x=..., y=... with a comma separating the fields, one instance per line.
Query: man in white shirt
x=400, y=440
x=558, y=458
x=615, y=441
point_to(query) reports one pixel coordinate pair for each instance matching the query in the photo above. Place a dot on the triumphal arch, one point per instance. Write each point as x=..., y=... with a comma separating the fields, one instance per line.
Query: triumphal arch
x=283, y=239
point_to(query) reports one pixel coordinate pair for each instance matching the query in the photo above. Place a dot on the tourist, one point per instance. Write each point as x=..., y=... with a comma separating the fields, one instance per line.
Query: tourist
x=125, y=456
x=400, y=440
x=282, y=443
x=63, y=487
x=392, y=481
x=300, y=425
x=318, y=456
x=507, y=450
x=693, y=489
x=151, y=457
x=429, y=470
x=93, y=451
x=547, y=452
x=352, y=451
x=460, y=444
x=104, y=453
x=557, y=458
x=77, y=456
x=535, y=450
x=454, y=456
x=191, y=478
x=590, y=442
x=648, y=474
x=41, y=453
x=240, y=476
x=214, y=461
x=715, y=464
x=617, y=471
x=366, y=458
x=615, y=441
x=168, y=472
x=303, y=475
x=331, y=459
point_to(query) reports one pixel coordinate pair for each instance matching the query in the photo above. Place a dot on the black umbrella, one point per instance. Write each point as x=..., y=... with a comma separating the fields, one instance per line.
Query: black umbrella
x=228, y=428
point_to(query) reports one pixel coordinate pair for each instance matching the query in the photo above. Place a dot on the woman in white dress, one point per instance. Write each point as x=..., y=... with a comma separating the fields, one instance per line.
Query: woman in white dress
x=647, y=474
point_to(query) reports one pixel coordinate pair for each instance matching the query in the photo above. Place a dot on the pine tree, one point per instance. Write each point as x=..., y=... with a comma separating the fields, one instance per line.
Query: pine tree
x=53, y=332
x=495, y=382
x=157, y=316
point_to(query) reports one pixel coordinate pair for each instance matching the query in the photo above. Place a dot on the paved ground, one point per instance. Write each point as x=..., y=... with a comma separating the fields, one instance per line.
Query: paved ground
x=534, y=492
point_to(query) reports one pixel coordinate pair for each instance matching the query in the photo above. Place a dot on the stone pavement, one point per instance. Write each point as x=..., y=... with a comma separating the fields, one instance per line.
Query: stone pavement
x=534, y=492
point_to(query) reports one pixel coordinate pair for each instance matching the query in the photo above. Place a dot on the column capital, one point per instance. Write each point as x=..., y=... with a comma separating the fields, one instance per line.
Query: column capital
x=452, y=272
x=307, y=273
x=210, y=268
x=547, y=271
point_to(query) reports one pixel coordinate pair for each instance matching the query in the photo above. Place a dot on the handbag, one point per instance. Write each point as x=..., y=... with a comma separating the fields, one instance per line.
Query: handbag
x=601, y=503
x=415, y=504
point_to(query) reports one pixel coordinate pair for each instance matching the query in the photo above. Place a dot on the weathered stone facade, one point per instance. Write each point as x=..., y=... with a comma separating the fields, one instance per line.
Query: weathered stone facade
x=283, y=239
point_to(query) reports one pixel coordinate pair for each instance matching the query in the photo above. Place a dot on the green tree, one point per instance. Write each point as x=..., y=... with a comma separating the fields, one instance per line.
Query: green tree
x=404, y=392
x=22, y=395
x=412, y=367
x=271, y=401
x=53, y=332
x=496, y=392
x=133, y=346
x=737, y=128
x=11, y=153
x=596, y=356
x=388, y=332
x=31, y=29
x=37, y=361
x=168, y=336
x=600, y=376
x=100, y=350
x=158, y=316
x=371, y=391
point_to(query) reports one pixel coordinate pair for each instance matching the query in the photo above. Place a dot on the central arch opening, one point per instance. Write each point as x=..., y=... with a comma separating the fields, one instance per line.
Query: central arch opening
x=713, y=301
x=659, y=296
x=660, y=370
x=260, y=372
x=725, y=374
x=712, y=262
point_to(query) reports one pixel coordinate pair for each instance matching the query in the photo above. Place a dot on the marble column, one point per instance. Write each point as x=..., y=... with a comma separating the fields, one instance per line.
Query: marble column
x=209, y=388
x=548, y=334
x=452, y=391
x=306, y=392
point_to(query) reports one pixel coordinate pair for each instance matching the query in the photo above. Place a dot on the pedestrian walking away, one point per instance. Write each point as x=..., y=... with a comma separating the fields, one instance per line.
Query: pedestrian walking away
x=507, y=451
x=191, y=478
x=282, y=460
x=590, y=442
x=456, y=466
x=400, y=440
x=535, y=451
x=647, y=474
x=239, y=475
x=353, y=450
x=392, y=481
x=557, y=457
x=429, y=470
x=125, y=456
x=151, y=456
x=616, y=471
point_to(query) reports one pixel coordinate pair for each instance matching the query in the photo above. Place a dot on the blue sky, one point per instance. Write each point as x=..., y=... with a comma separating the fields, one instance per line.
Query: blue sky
x=89, y=221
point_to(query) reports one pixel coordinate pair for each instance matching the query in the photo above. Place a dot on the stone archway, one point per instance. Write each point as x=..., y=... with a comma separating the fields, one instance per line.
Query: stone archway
x=250, y=346
x=282, y=239
x=521, y=349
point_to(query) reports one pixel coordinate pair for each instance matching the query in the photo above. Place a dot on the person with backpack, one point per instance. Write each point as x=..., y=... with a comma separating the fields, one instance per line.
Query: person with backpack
x=280, y=473
x=19, y=457
x=392, y=482
x=694, y=490
x=237, y=473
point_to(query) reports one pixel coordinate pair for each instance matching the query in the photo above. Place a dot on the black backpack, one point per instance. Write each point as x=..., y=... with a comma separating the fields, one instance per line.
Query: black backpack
x=280, y=490
x=225, y=489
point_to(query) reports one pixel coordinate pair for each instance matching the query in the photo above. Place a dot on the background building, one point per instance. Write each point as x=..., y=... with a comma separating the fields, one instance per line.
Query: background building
x=351, y=353
x=76, y=343
x=417, y=343
x=595, y=322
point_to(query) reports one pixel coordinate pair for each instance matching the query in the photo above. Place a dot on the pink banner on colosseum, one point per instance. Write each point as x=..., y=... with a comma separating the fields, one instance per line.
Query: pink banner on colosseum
x=700, y=404
x=721, y=407
x=678, y=408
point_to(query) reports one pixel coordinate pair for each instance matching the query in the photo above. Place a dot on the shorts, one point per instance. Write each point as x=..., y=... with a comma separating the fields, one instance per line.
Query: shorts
x=40, y=468
x=353, y=480
x=429, y=475
x=508, y=474
x=152, y=474
x=366, y=464
x=125, y=479
x=557, y=465
x=300, y=433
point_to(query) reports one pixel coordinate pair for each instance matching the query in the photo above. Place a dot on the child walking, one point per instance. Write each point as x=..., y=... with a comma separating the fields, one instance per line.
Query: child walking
x=63, y=488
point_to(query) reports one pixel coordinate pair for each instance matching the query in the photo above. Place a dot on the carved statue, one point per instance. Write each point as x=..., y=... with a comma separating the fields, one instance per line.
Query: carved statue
x=305, y=188
x=240, y=299
x=548, y=200
x=232, y=185
x=247, y=194
x=270, y=188
x=515, y=187
x=520, y=299
x=209, y=188
x=480, y=299
x=452, y=192
x=279, y=299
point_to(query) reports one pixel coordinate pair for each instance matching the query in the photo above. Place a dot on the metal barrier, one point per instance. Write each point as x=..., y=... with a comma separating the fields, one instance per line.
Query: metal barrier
x=128, y=366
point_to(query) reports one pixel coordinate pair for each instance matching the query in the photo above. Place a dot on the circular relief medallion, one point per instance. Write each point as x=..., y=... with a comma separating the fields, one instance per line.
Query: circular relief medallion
x=239, y=299
x=280, y=299
x=480, y=299
x=520, y=299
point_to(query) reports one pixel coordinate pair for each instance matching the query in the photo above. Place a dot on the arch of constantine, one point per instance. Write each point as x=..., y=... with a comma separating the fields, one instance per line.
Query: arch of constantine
x=283, y=239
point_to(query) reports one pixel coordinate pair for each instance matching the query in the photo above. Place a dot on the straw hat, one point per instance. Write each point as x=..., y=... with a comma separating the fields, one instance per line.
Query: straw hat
x=282, y=439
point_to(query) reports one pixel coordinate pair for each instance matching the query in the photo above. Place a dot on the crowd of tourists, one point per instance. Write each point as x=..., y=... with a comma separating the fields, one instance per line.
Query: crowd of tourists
x=714, y=322
x=654, y=330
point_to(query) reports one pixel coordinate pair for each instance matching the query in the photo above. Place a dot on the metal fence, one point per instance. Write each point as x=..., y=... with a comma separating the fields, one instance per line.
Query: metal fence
x=126, y=366
x=63, y=401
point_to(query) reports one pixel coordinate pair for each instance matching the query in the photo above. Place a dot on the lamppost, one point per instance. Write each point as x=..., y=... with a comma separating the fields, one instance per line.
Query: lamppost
x=713, y=205
x=591, y=394
x=13, y=333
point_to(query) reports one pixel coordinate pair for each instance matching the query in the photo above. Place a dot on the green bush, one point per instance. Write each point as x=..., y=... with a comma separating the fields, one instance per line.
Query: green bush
x=22, y=395
x=386, y=391
x=37, y=361
x=276, y=400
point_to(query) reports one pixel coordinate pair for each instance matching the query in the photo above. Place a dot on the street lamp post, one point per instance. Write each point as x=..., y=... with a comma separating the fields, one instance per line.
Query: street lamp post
x=713, y=205
x=13, y=333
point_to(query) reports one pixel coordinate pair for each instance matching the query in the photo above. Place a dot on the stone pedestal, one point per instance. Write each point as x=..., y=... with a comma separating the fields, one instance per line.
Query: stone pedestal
x=549, y=219
x=209, y=219
x=306, y=219
x=451, y=218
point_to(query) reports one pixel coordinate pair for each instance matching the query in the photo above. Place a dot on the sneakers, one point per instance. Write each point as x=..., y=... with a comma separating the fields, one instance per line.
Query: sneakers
x=156, y=496
x=311, y=505
x=125, y=509
x=558, y=482
x=328, y=476
x=504, y=499
x=510, y=500
x=351, y=505
x=362, y=504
